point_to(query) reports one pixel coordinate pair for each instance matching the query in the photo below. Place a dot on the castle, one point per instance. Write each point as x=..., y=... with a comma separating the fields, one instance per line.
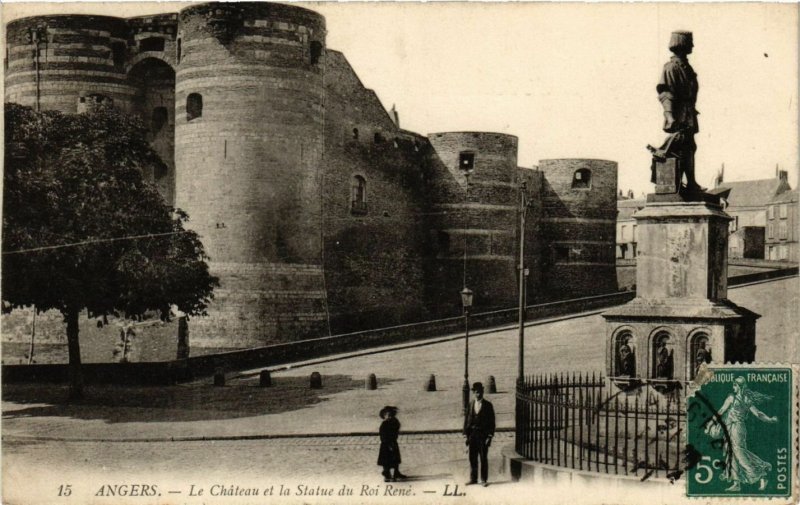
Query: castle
x=320, y=214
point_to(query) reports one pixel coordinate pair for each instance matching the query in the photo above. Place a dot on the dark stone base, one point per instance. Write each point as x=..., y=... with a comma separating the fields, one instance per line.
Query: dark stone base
x=684, y=196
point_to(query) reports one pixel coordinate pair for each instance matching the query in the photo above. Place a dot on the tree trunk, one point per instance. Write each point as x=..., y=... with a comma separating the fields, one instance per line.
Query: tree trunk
x=75, y=372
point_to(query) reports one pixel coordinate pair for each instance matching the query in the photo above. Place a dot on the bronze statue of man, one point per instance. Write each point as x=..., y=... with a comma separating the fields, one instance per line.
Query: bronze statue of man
x=677, y=92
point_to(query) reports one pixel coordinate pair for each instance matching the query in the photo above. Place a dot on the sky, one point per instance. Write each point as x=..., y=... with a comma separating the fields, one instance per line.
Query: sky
x=570, y=80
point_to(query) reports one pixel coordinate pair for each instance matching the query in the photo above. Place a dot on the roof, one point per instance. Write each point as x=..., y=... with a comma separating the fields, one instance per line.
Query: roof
x=751, y=193
x=785, y=197
x=626, y=208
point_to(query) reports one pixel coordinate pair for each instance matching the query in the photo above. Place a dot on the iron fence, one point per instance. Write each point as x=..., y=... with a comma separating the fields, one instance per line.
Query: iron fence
x=610, y=426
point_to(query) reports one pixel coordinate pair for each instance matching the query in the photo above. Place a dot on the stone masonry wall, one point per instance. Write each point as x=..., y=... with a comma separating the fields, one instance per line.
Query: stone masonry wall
x=578, y=226
x=375, y=253
x=480, y=219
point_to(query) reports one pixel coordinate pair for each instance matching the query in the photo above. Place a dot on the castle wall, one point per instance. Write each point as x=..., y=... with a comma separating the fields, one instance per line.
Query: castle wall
x=578, y=224
x=374, y=250
x=266, y=134
x=480, y=219
x=248, y=167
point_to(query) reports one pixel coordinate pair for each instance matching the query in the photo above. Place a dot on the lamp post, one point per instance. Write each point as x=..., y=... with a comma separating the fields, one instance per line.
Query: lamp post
x=466, y=302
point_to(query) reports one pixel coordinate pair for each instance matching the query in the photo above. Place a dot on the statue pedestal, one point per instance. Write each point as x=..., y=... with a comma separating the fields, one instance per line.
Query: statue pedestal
x=681, y=315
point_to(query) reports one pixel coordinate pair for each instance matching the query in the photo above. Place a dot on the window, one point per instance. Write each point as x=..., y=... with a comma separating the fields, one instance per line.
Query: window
x=770, y=212
x=734, y=224
x=355, y=133
x=734, y=251
x=178, y=51
x=378, y=138
x=358, y=195
x=159, y=119
x=561, y=253
x=699, y=353
x=622, y=232
x=782, y=230
x=466, y=161
x=783, y=209
x=151, y=44
x=582, y=179
x=194, y=106
x=770, y=230
x=316, y=52
x=771, y=253
x=783, y=252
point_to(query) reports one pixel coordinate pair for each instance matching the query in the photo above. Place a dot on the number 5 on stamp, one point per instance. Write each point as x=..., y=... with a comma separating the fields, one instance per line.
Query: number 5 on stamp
x=744, y=433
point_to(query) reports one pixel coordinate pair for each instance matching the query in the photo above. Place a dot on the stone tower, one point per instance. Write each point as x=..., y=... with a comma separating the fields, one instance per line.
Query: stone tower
x=578, y=221
x=249, y=145
x=481, y=218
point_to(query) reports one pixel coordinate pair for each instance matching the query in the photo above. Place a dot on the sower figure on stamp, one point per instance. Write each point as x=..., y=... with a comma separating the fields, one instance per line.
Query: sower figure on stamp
x=389, y=452
x=479, y=430
x=677, y=91
x=741, y=464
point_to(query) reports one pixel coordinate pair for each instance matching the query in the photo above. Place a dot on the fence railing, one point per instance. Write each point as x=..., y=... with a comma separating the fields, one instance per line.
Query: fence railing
x=589, y=423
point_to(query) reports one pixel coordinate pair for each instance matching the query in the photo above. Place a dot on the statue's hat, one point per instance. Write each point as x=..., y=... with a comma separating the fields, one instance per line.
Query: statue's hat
x=680, y=39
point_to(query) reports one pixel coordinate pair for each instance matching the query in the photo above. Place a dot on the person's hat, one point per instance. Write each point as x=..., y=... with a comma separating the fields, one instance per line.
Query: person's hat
x=386, y=410
x=680, y=39
x=477, y=387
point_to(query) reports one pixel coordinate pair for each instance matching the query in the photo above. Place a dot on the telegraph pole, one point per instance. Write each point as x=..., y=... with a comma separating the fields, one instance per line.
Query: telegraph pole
x=520, y=352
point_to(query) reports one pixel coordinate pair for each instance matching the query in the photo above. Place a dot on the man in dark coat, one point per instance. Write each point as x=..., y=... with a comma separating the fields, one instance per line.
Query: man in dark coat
x=479, y=430
x=677, y=91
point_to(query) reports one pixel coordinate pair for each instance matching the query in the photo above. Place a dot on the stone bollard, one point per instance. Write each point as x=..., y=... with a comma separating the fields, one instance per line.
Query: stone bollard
x=431, y=385
x=219, y=378
x=492, y=389
x=264, y=379
x=316, y=380
x=371, y=382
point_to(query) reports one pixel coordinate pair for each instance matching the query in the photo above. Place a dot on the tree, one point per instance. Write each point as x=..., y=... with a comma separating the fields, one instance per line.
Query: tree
x=83, y=229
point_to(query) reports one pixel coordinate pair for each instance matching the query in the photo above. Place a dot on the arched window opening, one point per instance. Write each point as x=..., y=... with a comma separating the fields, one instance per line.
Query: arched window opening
x=358, y=195
x=316, y=52
x=699, y=353
x=158, y=119
x=194, y=106
x=118, y=50
x=663, y=368
x=624, y=355
x=378, y=138
x=178, y=51
x=355, y=133
x=582, y=179
x=151, y=44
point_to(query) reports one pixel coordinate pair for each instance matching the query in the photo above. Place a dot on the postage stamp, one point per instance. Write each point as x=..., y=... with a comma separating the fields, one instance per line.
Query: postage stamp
x=742, y=433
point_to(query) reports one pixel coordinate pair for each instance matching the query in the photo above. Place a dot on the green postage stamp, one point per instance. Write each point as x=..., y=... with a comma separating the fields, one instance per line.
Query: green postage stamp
x=742, y=430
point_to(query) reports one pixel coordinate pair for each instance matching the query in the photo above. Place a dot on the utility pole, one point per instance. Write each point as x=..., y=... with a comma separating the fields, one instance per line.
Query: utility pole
x=521, y=350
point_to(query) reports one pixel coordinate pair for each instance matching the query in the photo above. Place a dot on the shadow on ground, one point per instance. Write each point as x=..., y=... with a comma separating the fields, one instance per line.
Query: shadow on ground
x=197, y=401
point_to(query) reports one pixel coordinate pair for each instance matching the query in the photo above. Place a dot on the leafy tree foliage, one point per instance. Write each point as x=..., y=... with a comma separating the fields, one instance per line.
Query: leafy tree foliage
x=84, y=229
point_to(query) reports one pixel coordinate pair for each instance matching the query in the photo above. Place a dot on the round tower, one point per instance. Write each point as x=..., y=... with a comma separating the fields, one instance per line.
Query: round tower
x=476, y=220
x=578, y=226
x=248, y=149
x=67, y=62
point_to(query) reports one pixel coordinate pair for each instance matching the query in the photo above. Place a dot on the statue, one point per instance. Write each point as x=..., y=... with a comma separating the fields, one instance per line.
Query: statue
x=664, y=362
x=677, y=92
x=626, y=361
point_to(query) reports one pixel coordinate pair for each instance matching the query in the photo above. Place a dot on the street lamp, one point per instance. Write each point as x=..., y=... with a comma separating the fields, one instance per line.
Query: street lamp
x=466, y=302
